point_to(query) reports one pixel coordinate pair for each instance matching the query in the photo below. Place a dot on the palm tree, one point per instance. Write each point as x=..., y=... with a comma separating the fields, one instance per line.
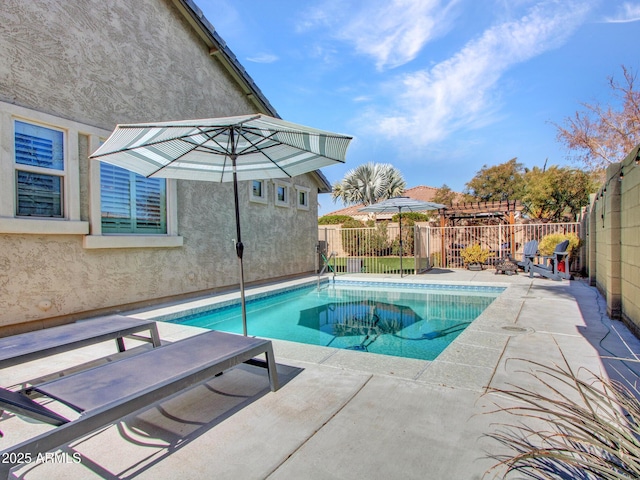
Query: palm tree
x=369, y=183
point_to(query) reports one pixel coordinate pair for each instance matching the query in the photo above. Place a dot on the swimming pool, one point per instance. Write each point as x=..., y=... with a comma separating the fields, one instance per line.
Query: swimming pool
x=404, y=320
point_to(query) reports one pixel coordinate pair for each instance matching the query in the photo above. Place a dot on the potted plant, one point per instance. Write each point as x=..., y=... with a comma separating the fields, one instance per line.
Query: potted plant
x=474, y=256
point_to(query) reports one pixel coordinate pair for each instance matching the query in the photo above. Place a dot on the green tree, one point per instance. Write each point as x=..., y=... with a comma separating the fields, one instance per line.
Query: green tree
x=444, y=195
x=369, y=183
x=500, y=182
x=604, y=134
x=557, y=193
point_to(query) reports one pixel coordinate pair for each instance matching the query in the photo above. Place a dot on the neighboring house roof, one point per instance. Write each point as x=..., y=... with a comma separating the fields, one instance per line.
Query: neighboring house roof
x=421, y=192
x=219, y=49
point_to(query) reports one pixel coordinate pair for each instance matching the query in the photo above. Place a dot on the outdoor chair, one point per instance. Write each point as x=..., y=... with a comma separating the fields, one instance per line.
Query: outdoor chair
x=529, y=253
x=127, y=386
x=551, y=265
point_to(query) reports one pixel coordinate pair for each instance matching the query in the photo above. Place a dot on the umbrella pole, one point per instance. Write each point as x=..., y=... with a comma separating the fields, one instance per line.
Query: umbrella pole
x=239, y=245
x=400, y=224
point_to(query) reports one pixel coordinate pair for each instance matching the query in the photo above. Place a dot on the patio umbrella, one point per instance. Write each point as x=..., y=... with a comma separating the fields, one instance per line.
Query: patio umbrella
x=396, y=204
x=230, y=149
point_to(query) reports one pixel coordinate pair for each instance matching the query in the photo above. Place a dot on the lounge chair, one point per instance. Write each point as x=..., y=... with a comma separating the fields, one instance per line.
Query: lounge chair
x=549, y=268
x=127, y=386
x=29, y=346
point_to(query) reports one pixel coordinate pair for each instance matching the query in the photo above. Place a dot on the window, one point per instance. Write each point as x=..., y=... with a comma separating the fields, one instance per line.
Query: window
x=282, y=194
x=40, y=170
x=40, y=179
x=302, y=194
x=258, y=191
x=131, y=203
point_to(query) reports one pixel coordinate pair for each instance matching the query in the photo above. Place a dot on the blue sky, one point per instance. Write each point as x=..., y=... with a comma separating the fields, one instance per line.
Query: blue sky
x=438, y=88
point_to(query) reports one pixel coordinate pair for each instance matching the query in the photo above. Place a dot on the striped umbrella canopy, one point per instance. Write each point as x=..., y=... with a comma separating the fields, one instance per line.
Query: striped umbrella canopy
x=396, y=204
x=228, y=149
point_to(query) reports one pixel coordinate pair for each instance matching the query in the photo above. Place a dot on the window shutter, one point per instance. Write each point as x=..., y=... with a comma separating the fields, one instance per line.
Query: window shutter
x=131, y=203
x=150, y=202
x=38, y=148
x=115, y=195
x=38, y=194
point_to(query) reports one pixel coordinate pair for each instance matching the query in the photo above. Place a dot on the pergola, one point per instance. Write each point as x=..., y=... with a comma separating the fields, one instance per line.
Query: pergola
x=476, y=214
x=486, y=213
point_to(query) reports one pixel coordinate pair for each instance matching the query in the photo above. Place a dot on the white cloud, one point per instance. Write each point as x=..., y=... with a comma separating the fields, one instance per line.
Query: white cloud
x=391, y=32
x=263, y=58
x=627, y=12
x=429, y=105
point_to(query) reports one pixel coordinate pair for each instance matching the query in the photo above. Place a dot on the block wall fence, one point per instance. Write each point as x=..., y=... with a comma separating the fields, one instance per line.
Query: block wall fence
x=612, y=231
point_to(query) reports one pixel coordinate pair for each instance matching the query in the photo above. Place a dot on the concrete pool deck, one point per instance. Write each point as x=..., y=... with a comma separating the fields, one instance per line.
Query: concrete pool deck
x=344, y=414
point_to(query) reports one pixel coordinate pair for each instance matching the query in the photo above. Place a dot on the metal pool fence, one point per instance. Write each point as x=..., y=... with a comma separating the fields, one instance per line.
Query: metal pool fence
x=377, y=249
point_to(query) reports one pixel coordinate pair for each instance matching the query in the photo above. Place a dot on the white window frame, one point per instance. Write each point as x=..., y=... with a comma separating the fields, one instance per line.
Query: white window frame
x=129, y=240
x=287, y=201
x=255, y=198
x=306, y=191
x=70, y=222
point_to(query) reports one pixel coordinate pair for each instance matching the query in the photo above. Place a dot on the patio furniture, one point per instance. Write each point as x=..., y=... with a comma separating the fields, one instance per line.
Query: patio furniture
x=529, y=253
x=130, y=385
x=37, y=344
x=550, y=267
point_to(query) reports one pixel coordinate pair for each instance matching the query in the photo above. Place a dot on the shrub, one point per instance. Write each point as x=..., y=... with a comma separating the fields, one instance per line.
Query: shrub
x=549, y=242
x=415, y=216
x=474, y=254
x=407, y=238
x=333, y=219
x=353, y=236
x=372, y=240
x=436, y=259
x=352, y=223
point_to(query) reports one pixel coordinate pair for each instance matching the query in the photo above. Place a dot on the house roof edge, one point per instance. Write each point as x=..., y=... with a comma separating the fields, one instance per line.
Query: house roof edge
x=219, y=49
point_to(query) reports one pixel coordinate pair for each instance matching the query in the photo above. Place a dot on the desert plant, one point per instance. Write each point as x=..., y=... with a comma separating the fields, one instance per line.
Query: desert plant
x=586, y=429
x=473, y=254
x=549, y=242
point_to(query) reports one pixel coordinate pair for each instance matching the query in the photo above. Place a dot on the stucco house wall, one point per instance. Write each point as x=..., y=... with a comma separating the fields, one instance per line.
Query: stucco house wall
x=82, y=67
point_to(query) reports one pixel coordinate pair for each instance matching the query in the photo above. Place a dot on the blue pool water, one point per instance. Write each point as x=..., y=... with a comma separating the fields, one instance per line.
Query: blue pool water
x=412, y=321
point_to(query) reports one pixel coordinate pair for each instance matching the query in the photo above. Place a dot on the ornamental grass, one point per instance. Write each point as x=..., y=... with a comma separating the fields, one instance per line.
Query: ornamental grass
x=567, y=427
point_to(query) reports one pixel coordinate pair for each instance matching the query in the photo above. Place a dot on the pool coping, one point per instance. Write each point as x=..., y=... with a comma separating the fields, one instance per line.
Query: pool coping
x=469, y=362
